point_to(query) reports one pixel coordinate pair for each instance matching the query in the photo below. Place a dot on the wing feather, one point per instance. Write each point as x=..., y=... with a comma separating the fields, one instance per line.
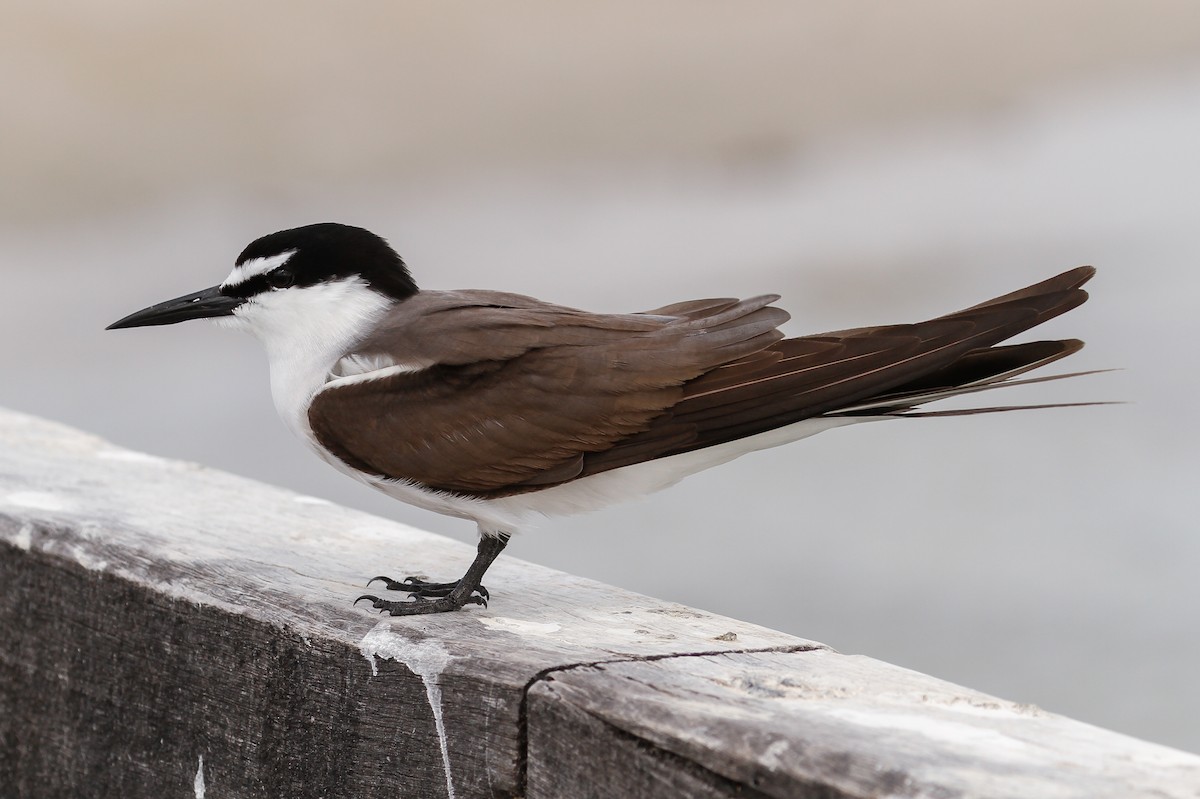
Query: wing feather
x=518, y=394
x=800, y=378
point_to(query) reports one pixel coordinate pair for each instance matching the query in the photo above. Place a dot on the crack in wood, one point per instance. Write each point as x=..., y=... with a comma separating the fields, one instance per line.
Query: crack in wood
x=685, y=766
x=546, y=674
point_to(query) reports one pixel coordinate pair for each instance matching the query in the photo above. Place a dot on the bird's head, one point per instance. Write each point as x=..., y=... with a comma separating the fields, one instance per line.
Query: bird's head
x=303, y=277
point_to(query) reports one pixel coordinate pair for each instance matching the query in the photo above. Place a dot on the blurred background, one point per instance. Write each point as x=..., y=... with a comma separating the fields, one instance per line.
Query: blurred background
x=872, y=162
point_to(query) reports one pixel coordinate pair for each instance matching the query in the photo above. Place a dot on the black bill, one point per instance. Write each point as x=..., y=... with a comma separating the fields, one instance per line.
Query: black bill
x=201, y=305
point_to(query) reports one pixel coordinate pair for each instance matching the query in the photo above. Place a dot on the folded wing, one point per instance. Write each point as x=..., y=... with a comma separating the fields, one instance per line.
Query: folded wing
x=505, y=391
x=508, y=394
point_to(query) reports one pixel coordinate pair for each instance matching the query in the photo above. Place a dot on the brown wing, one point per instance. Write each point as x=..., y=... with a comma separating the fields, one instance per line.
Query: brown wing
x=800, y=378
x=516, y=398
x=517, y=392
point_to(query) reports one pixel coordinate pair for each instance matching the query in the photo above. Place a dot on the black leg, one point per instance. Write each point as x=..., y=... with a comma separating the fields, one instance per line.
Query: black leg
x=449, y=596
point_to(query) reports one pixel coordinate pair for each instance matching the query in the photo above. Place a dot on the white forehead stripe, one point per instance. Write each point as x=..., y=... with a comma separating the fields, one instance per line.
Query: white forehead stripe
x=255, y=267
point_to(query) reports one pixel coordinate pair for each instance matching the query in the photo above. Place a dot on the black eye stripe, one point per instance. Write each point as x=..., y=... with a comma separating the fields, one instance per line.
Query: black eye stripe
x=248, y=288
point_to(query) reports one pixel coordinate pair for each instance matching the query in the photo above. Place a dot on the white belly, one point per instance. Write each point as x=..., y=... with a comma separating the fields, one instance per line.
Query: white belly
x=509, y=514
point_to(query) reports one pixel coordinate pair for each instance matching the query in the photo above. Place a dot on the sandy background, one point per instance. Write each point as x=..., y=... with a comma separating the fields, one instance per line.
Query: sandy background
x=871, y=162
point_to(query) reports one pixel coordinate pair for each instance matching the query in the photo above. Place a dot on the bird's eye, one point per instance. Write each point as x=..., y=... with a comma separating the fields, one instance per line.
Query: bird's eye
x=281, y=278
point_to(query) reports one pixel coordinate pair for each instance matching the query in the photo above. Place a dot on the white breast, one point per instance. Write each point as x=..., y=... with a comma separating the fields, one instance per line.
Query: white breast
x=305, y=331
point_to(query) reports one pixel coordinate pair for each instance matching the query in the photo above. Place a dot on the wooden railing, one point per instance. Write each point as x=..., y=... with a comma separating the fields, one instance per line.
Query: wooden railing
x=169, y=630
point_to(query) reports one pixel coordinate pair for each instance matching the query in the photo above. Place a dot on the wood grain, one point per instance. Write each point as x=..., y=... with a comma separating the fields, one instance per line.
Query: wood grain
x=157, y=611
x=153, y=613
x=800, y=724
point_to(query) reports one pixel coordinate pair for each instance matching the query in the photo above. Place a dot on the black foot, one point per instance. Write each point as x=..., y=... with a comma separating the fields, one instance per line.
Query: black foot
x=419, y=605
x=422, y=589
x=427, y=597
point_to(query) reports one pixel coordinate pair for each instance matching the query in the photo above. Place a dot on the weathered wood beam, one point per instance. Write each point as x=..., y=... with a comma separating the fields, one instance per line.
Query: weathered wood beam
x=167, y=628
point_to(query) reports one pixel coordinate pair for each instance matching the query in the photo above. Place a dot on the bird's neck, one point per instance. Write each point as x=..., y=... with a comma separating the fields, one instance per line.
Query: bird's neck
x=307, y=337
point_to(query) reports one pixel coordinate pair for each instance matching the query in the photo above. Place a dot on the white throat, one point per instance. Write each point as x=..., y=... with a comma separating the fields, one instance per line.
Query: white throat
x=305, y=330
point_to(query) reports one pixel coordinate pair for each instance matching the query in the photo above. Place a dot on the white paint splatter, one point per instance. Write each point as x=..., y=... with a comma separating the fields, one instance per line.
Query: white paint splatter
x=23, y=538
x=85, y=559
x=427, y=659
x=518, y=626
x=198, y=783
x=37, y=500
x=770, y=758
x=937, y=728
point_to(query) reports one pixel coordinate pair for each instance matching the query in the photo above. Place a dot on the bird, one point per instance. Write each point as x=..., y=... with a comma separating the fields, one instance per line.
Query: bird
x=497, y=408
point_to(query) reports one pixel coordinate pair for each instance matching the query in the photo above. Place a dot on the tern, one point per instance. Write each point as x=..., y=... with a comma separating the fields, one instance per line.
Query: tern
x=497, y=407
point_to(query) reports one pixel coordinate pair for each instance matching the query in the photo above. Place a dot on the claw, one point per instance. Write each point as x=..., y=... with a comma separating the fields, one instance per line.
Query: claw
x=374, y=599
x=388, y=581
